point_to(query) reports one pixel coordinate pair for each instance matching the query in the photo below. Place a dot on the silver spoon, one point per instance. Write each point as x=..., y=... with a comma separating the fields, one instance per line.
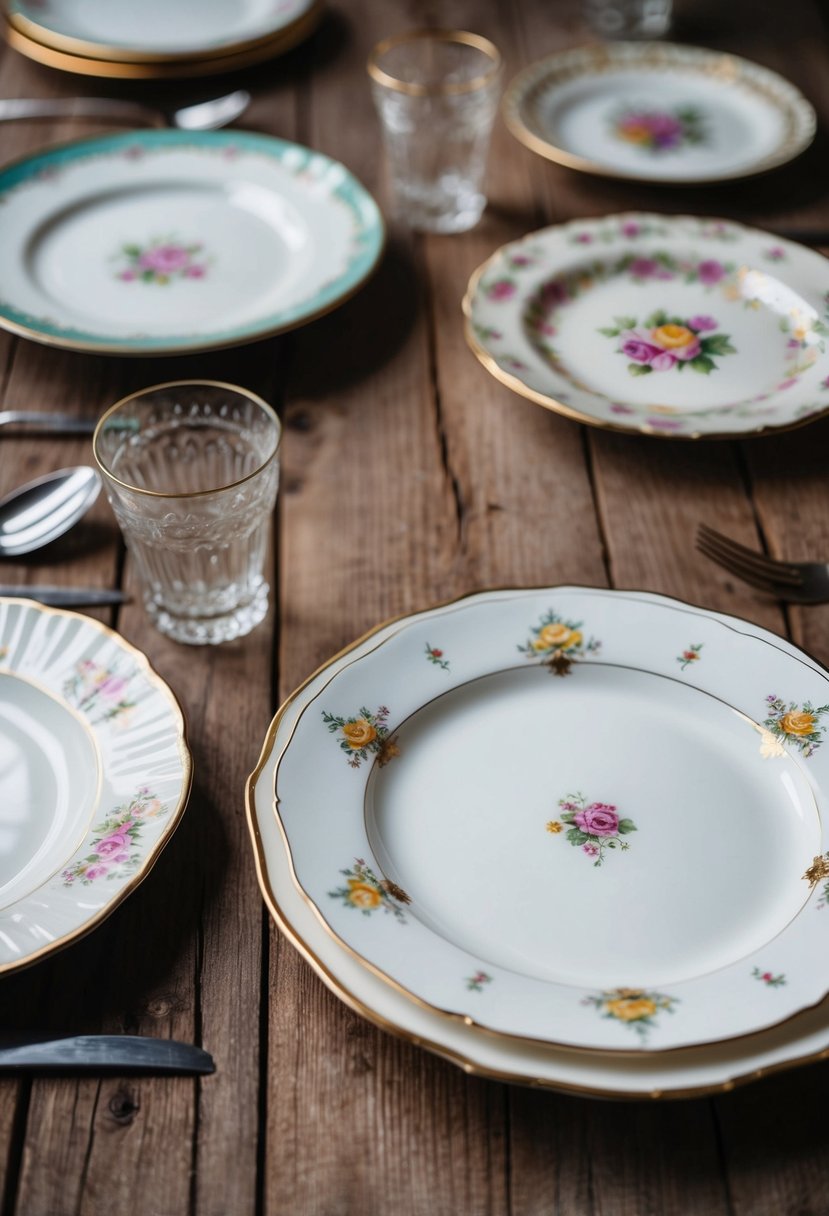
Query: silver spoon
x=42, y=510
x=204, y=116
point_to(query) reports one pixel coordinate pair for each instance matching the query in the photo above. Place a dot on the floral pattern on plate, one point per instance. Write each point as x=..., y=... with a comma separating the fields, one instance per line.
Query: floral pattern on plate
x=592, y=826
x=770, y=980
x=477, y=982
x=161, y=261
x=795, y=723
x=99, y=691
x=435, y=656
x=368, y=893
x=666, y=342
x=558, y=642
x=689, y=656
x=364, y=734
x=658, y=131
x=637, y=1008
x=113, y=853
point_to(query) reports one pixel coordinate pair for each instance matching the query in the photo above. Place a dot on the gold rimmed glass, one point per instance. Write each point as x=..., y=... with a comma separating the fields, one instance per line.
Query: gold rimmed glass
x=436, y=92
x=191, y=472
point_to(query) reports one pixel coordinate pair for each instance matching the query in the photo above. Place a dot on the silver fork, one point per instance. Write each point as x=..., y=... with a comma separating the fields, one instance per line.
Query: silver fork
x=203, y=116
x=52, y=424
x=796, y=582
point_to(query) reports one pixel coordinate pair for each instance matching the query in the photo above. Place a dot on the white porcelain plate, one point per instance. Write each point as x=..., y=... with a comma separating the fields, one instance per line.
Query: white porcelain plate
x=681, y=327
x=658, y=112
x=156, y=242
x=94, y=776
x=154, y=29
x=547, y=813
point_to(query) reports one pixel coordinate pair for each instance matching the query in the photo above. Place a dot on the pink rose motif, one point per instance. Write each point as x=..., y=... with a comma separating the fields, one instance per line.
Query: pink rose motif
x=127, y=275
x=111, y=845
x=95, y=872
x=786, y=384
x=194, y=272
x=664, y=361
x=584, y=238
x=618, y=407
x=112, y=687
x=504, y=289
x=710, y=271
x=630, y=228
x=702, y=324
x=775, y=254
x=643, y=268
x=598, y=819
x=164, y=259
x=665, y=424
x=638, y=350
x=590, y=849
x=688, y=352
x=553, y=293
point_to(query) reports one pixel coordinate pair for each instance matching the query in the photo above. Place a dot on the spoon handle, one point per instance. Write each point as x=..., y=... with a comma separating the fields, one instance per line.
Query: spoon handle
x=55, y=424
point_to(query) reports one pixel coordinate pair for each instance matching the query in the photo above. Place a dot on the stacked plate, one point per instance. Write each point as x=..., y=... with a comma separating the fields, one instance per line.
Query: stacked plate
x=114, y=38
x=565, y=836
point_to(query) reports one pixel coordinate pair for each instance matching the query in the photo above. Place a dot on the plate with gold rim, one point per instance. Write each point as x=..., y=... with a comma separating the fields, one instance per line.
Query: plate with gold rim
x=471, y=802
x=676, y=1074
x=658, y=112
x=94, y=776
x=113, y=30
x=673, y=326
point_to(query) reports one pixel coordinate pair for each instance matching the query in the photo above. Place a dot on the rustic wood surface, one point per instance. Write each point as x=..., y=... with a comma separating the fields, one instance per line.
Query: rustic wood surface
x=409, y=476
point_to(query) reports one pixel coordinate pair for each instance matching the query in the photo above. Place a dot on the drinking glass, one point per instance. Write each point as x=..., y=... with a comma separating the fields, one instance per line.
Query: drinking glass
x=191, y=472
x=629, y=18
x=436, y=92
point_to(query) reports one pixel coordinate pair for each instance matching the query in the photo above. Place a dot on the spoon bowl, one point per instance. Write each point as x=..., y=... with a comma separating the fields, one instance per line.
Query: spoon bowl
x=40, y=511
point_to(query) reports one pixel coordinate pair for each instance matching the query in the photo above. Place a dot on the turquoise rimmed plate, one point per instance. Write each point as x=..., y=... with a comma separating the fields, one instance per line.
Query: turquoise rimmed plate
x=161, y=242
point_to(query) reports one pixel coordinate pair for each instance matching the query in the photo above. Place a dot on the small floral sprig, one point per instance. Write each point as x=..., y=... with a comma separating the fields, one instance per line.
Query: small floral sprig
x=476, y=982
x=113, y=852
x=691, y=655
x=797, y=724
x=636, y=1007
x=367, y=893
x=558, y=641
x=666, y=342
x=98, y=691
x=771, y=981
x=595, y=826
x=161, y=261
x=364, y=734
x=435, y=655
x=658, y=131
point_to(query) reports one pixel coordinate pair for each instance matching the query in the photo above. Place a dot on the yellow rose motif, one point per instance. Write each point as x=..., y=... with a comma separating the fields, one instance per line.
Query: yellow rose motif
x=671, y=337
x=554, y=826
x=556, y=636
x=631, y=1008
x=359, y=734
x=794, y=723
x=362, y=895
x=635, y=133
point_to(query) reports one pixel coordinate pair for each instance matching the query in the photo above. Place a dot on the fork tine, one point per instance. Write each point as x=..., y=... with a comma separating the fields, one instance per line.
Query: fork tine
x=747, y=559
x=759, y=581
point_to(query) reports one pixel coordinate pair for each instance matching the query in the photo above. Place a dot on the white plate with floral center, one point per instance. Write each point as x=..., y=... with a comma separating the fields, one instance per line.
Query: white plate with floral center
x=570, y=816
x=94, y=776
x=674, y=326
x=658, y=112
x=155, y=30
x=158, y=242
x=703, y=1069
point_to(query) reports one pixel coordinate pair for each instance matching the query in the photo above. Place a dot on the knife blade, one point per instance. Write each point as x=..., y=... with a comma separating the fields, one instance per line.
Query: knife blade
x=101, y=1053
x=65, y=597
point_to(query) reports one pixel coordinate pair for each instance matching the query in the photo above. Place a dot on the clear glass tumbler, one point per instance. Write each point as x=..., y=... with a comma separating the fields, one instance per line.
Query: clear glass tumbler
x=629, y=18
x=436, y=92
x=191, y=471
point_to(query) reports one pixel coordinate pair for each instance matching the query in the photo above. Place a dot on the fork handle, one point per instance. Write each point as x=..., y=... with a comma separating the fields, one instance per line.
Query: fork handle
x=12, y=108
x=57, y=424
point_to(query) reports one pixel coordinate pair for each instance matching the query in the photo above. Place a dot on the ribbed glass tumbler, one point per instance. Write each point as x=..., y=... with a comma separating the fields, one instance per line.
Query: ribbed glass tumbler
x=191, y=472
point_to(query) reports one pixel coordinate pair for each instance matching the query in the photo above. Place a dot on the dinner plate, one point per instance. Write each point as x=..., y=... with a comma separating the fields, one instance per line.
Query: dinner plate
x=473, y=801
x=682, y=327
x=158, y=242
x=159, y=67
x=94, y=776
x=658, y=112
x=155, y=31
x=680, y=1073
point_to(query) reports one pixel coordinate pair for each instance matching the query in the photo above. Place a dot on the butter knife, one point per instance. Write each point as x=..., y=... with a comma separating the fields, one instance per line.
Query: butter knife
x=65, y=597
x=100, y=1053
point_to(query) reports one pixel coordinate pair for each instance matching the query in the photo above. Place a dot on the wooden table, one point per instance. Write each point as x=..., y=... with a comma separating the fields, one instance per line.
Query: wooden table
x=409, y=476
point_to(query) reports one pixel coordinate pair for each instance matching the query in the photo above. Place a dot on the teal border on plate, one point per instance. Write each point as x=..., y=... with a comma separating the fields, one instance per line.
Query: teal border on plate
x=367, y=243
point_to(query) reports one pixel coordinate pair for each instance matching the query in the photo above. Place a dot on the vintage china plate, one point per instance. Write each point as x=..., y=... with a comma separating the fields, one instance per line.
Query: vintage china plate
x=471, y=801
x=155, y=31
x=674, y=326
x=158, y=242
x=94, y=776
x=658, y=112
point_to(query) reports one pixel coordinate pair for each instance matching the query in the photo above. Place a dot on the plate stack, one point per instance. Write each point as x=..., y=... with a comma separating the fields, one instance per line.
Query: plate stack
x=563, y=836
x=156, y=40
